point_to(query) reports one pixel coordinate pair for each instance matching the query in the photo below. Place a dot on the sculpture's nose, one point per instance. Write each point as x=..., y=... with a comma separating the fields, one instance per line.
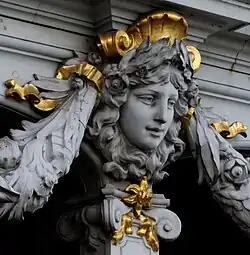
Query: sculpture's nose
x=161, y=114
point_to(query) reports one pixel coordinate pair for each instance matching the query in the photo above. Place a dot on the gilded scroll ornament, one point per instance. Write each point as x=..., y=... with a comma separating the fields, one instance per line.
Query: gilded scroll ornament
x=188, y=116
x=196, y=57
x=85, y=69
x=116, y=43
x=162, y=24
x=147, y=229
x=223, y=128
x=230, y=131
x=125, y=229
x=32, y=94
x=140, y=199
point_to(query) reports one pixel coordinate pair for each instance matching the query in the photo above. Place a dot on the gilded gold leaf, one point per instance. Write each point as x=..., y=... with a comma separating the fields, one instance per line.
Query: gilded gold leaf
x=126, y=228
x=230, y=131
x=133, y=188
x=130, y=199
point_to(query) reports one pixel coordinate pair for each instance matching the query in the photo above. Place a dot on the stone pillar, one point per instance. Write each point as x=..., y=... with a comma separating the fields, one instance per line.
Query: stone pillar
x=123, y=222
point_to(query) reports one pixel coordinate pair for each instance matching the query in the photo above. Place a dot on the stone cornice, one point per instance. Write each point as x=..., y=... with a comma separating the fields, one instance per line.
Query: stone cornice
x=39, y=41
x=72, y=16
x=231, y=9
x=120, y=15
x=50, y=30
x=233, y=56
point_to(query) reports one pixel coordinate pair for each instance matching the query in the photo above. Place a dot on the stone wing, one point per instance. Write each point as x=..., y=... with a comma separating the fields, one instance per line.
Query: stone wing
x=34, y=158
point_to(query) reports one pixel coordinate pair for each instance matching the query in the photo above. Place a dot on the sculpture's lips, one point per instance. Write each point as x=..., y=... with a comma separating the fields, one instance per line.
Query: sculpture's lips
x=156, y=131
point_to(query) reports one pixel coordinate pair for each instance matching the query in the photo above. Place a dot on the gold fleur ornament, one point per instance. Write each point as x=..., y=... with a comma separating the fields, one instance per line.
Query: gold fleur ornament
x=139, y=199
x=147, y=229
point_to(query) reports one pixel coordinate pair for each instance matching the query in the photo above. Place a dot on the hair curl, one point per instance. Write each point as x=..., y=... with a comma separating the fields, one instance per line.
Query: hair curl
x=150, y=63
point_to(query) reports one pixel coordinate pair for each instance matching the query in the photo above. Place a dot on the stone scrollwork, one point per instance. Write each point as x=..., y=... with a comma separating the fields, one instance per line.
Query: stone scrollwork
x=168, y=224
x=95, y=220
x=113, y=209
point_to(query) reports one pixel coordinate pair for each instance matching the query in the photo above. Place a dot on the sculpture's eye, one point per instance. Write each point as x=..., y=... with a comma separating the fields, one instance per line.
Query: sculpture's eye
x=147, y=99
x=171, y=103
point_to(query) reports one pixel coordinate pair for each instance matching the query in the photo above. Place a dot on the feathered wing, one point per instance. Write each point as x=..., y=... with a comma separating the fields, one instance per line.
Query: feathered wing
x=47, y=148
x=225, y=170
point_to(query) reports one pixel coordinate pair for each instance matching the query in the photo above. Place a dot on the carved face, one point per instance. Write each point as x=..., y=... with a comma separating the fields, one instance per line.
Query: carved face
x=147, y=114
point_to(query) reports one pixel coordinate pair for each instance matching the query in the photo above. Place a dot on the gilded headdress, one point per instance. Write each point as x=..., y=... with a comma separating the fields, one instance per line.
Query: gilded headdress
x=156, y=26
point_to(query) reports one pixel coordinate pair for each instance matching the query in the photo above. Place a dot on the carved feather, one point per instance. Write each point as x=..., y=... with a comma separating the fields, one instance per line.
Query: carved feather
x=209, y=146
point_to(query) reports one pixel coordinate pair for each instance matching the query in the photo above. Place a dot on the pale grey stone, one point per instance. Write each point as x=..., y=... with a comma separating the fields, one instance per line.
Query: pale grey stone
x=46, y=149
x=225, y=170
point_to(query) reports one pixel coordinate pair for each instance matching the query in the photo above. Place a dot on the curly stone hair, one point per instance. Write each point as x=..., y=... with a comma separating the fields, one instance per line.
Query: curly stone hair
x=149, y=64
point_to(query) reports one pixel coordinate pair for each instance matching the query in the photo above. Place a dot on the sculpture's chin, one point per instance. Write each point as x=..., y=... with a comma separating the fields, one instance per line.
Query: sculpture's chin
x=146, y=145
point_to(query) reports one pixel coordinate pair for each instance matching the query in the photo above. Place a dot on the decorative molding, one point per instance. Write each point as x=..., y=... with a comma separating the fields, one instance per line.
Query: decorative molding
x=123, y=14
x=231, y=9
x=245, y=30
x=200, y=28
x=233, y=57
x=32, y=49
x=240, y=144
x=72, y=16
x=224, y=82
x=120, y=14
x=39, y=41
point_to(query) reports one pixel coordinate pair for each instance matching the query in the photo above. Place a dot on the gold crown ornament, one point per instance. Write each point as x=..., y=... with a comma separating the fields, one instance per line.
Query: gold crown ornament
x=162, y=24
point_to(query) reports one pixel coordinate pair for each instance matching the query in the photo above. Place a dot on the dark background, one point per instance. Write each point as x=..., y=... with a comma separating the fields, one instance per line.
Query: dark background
x=205, y=229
